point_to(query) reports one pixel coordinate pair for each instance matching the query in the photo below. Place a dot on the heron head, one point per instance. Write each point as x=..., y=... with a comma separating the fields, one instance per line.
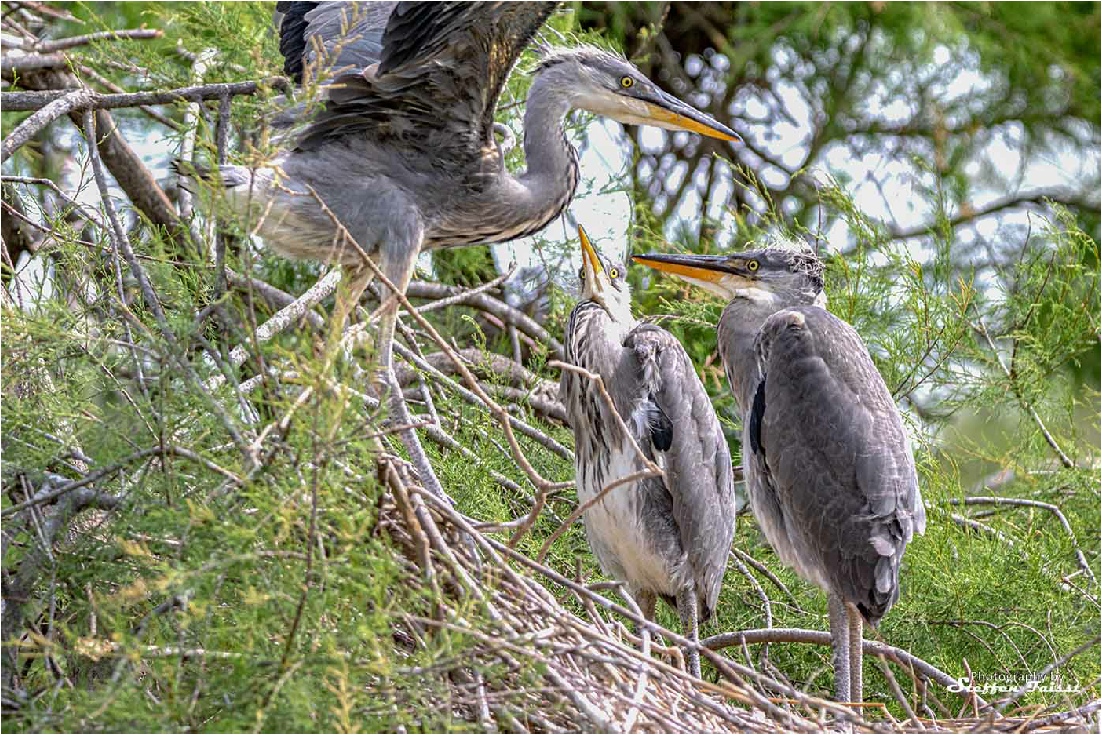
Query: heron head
x=604, y=282
x=611, y=86
x=776, y=275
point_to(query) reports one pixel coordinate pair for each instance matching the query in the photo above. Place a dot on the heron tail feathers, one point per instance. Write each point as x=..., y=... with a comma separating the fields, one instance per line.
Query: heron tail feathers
x=224, y=176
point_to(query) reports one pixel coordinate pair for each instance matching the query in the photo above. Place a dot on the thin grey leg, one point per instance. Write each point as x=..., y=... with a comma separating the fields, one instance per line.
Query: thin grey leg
x=686, y=610
x=399, y=270
x=646, y=601
x=839, y=636
x=399, y=414
x=856, y=638
x=354, y=281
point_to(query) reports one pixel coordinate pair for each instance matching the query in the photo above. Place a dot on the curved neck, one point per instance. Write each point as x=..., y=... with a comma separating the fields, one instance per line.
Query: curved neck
x=552, y=173
x=737, y=332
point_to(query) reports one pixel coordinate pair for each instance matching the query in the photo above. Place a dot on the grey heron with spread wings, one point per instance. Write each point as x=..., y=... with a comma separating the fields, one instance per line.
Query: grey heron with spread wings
x=667, y=536
x=829, y=470
x=402, y=151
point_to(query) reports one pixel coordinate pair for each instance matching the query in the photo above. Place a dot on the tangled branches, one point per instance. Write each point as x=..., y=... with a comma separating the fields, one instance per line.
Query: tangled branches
x=200, y=490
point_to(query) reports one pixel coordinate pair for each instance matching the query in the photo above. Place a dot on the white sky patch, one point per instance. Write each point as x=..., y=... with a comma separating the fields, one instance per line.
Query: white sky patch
x=887, y=187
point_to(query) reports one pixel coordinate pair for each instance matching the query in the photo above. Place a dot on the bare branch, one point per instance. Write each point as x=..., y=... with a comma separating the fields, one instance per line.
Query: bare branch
x=1064, y=459
x=283, y=319
x=484, y=302
x=26, y=101
x=1046, y=671
x=971, y=214
x=821, y=637
x=1025, y=502
x=69, y=101
x=73, y=41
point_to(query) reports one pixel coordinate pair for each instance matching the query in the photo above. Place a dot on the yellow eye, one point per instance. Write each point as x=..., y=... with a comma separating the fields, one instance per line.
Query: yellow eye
x=752, y=265
x=627, y=82
x=613, y=273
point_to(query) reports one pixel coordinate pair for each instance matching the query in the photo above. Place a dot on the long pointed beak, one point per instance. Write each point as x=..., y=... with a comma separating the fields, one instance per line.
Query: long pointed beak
x=594, y=271
x=710, y=268
x=669, y=112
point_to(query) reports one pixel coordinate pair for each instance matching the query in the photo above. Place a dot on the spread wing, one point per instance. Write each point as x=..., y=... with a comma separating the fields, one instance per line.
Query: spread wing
x=433, y=73
x=831, y=442
x=317, y=39
x=672, y=408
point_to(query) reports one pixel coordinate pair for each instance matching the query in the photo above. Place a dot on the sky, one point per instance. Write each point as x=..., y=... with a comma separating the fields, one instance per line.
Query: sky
x=883, y=187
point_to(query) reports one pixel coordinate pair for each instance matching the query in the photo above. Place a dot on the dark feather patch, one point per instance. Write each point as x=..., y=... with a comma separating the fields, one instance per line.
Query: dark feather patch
x=661, y=428
x=292, y=36
x=757, y=413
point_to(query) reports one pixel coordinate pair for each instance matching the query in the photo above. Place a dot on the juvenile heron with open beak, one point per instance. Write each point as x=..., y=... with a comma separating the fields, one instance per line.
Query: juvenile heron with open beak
x=668, y=536
x=828, y=466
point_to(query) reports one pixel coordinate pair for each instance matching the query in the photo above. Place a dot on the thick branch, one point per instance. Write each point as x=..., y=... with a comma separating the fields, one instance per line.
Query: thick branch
x=821, y=637
x=35, y=100
x=969, y=214
x=76, y=100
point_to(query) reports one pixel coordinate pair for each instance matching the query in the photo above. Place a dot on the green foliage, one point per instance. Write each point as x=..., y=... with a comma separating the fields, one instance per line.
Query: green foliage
x=229, y=593
x=989, y=597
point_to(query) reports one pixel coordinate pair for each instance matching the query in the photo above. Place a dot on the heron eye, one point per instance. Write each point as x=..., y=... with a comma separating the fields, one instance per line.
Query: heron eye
x=752, y=265
x=613, y=273
x=581, y=273
x=627, y=82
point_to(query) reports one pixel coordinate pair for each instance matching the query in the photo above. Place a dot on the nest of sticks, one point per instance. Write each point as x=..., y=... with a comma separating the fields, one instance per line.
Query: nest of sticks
x=600, y=675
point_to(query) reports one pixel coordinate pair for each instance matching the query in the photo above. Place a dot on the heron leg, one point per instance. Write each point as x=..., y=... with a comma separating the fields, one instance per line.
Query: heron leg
x=354, y=281
x=856, y=638
x=397, y=264
x=686, y=610
x=646, y=601
x=839, y=636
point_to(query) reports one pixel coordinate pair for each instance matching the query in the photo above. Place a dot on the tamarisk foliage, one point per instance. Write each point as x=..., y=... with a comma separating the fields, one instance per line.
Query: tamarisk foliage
x=208, y=522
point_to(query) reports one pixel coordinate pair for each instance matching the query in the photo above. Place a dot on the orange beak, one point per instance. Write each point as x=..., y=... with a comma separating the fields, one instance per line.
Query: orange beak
x=709, y=268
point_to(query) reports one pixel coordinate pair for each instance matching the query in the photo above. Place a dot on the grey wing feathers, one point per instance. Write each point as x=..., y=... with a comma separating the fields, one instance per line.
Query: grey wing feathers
x=317, y=38
x=837, y=457
x=697, y=463
x=418, y=31
x=441, y=70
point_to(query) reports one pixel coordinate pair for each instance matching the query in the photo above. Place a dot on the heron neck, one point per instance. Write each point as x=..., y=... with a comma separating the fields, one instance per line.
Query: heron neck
x=552, y=174
x=737, y=331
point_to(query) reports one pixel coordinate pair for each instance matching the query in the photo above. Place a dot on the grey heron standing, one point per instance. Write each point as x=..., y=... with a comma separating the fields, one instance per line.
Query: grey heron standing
x=828, y=466
x=669, y=536
x=403, y=153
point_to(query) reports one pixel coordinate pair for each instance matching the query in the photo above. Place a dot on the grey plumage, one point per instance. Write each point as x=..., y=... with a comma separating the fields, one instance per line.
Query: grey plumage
x=828, y=466
x=669, y=536
x=402, y=152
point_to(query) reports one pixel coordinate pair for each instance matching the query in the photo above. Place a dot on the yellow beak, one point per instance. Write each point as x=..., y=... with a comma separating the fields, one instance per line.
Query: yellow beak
x=591, y=262
x=698, y=267
x=711, y=128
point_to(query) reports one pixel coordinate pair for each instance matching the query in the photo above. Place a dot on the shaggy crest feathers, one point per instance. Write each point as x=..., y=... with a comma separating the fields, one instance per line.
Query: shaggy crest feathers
x=585, y=53
x=798, y=254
